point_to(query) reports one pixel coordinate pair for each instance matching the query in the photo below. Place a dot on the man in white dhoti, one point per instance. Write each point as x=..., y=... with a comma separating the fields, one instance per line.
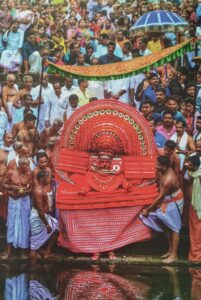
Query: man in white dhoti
x=44, y=227
x=18, y=185
x=11, y=58
x=165, y=212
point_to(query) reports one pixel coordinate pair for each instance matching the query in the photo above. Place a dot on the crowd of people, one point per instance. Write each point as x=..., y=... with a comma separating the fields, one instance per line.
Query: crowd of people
x=31, y=118
x=78, y=32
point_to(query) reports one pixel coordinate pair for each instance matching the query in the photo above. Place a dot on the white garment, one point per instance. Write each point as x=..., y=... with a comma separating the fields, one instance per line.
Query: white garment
x=56, y=107
x=47, y=93
x=135, y=80
x=68, y=92
x=35, y=61
x=27, y=14
x=70, y=111
x=3, y=125
x=114, y=86
x=197, y=136
x=96, y=88
x=11, y=60
x=182, y=145
x=145, y=52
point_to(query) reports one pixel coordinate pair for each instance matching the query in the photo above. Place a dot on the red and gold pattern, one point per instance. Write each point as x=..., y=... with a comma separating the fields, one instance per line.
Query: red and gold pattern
x=105, y=158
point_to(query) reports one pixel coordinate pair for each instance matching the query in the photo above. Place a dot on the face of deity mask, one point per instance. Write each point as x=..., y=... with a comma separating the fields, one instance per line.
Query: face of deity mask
x=104, y=163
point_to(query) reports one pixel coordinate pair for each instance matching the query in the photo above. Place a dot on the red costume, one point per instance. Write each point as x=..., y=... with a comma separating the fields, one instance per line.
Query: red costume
x=105, y=166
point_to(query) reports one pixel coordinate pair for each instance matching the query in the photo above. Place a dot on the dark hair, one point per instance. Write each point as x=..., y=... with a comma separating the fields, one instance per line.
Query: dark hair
x=167, y=112
x=182, y=122
x=172, y=97
x=160, y=89
x=170, y=144
x=80, y=81
x=198, y=118
x=164, y=160
x=104, y=36
x=189, y=100
x=152, y=75
x=73, y=97
x=111, y=43
x=195, y=160
x=41, y=154
x=148, y=101
x=42, y=174
x=29, y=117
x=93, y=99
x=128, y=46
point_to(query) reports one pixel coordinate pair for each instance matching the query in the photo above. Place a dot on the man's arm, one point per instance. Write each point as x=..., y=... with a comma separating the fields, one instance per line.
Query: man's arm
x=4, y=98
x=164, y=191
x=38, y=200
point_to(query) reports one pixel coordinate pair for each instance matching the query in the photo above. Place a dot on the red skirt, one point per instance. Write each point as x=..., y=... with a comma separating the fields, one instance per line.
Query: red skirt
x=101, y=230
x=195, y=236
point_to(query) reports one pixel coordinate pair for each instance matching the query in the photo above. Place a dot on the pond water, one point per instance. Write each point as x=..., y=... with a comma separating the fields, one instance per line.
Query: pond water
x=48, y=282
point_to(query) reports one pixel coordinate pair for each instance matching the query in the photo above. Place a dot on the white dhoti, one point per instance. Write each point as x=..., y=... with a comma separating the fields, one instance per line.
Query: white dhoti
x=10, y=60
x=169, y=214
x=35, y=61
x=39, y=235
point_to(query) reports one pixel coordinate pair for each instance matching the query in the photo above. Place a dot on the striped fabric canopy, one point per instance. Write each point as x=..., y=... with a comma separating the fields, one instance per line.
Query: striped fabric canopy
x=159, y=18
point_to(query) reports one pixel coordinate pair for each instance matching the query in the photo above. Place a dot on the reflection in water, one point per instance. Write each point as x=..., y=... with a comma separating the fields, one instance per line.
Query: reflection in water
x=37, y=291
x=56, y=282
x=16, y=287
x=89, y=285
x=196, y=284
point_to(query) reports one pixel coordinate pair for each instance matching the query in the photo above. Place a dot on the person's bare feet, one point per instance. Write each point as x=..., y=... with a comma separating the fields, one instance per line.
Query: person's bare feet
x=170, y=259
x=47, y=255
x=166, y=255
x=95, y=256
x=5, y=255
x=112, y=255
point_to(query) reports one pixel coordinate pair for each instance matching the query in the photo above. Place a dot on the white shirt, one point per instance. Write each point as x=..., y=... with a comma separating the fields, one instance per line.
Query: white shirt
x=56, y=107
x=70, y=111
x=68, y=92
x=46, y=94
x=145, y=52
x=3, y=125
x=114, y=86
x=96, y=88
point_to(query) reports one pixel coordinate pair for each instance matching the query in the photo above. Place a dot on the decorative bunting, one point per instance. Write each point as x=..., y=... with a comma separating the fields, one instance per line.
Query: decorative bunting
x=122, y=69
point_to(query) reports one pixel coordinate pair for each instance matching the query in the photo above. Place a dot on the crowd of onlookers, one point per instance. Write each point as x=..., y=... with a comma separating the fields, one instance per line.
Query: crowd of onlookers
x=84, y=33
x=78, y=32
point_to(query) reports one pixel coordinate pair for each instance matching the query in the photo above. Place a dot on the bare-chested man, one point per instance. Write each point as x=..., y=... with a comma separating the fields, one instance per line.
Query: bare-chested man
x=18, y=185
x=42, y=160
x=4, y=152
x=43, y=226
x=29, y=136
x=166, y=210
x=170, y=151
x=27, y=89
x=9, y=93
x=50, y=132
x=20, y=125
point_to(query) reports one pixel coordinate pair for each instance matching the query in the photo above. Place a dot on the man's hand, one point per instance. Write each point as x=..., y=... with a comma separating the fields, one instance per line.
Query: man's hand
x=49, y=229
x=47, y=124
x=9, y=118
x=145, y=213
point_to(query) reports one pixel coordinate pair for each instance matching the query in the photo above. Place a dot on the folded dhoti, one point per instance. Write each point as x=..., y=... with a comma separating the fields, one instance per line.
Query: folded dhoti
x=18, y=222
x=39, y=235
x=168, y=214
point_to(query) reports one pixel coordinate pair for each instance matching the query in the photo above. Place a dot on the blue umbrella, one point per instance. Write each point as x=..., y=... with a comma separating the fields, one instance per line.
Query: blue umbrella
x=159, y=18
